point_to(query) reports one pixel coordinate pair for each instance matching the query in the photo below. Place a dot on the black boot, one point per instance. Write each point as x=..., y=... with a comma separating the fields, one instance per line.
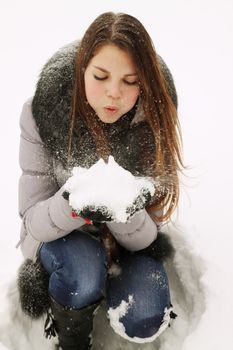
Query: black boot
x=73, y=326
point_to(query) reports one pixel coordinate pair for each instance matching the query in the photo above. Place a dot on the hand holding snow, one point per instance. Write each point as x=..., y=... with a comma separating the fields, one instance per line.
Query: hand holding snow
x=108, y=189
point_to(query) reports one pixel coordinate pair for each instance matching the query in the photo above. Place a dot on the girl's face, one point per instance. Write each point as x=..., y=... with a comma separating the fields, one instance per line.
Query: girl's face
x=111, y=83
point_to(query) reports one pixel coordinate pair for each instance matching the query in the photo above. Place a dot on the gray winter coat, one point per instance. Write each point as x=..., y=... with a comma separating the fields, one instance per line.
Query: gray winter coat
x=46, y=215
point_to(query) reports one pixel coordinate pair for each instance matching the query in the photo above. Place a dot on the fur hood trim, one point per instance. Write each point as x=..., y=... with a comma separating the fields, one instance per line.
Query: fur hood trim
x=51, y=104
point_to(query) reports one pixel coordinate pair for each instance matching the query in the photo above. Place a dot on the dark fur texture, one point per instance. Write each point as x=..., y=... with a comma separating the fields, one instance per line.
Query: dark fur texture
x=33, y=283
x=161, y=249
x=51, y=107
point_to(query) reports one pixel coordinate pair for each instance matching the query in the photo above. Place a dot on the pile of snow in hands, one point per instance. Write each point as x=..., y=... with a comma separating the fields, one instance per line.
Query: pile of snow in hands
x=108, y=187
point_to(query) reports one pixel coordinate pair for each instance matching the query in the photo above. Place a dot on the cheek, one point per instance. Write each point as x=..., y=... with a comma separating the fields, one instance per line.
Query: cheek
x=93, y=91
x=132, y=96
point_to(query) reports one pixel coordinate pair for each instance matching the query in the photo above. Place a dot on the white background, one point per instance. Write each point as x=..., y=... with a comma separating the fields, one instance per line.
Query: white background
x=195, y=40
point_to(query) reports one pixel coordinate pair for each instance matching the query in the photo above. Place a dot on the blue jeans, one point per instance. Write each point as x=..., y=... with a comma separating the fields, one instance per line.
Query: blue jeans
x=77, y=265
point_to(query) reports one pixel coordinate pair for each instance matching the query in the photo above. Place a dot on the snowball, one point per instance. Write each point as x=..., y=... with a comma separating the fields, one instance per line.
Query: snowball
x=106, y=185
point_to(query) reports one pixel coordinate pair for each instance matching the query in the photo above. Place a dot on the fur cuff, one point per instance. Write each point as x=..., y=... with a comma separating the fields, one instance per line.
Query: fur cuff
x=161, y=249
x=33, y=283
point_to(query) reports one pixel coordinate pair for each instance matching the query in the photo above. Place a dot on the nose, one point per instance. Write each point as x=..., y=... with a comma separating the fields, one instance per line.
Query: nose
x=113, y=90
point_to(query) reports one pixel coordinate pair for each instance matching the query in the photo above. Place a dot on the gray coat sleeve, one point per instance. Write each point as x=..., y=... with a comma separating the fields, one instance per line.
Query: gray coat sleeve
x=136, y=234
x=45, y=214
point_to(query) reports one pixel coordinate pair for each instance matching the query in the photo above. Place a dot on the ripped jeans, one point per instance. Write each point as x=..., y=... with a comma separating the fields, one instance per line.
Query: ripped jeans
x=77, y=265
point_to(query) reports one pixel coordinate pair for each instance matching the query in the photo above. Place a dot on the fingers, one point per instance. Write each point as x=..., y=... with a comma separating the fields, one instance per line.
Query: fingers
x=97, y=214
x=140, y=203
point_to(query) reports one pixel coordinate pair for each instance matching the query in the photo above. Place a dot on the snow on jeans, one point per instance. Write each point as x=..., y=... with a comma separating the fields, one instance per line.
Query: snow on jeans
x=137, y=297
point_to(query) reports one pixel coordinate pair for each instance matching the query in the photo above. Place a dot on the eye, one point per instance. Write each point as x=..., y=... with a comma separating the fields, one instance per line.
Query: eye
x=99, y=78
x=131, y=82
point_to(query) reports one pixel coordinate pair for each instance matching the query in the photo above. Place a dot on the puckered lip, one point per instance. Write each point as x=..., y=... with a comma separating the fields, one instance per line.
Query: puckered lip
x=113, y=108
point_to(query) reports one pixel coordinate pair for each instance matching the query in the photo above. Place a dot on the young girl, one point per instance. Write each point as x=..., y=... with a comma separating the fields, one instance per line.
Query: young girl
x=109, y=94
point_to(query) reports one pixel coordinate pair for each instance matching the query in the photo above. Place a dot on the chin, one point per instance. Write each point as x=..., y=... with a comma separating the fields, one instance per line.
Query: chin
x=108, y=120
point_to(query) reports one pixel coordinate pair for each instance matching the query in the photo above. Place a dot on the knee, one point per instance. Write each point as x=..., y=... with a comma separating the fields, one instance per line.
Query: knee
x=77, y=268
x=139, y=299
x=135, y=326
x=75, y=291
x=145, y=328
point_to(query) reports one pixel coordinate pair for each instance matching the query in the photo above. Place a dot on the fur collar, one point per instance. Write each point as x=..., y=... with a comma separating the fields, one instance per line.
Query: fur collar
x=51, y=108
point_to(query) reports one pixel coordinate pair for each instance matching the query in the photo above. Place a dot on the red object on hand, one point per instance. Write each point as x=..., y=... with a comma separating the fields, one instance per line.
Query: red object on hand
x=75, y=215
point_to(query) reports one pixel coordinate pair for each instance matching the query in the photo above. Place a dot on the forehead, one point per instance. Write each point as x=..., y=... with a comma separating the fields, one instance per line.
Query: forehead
x=112, y=56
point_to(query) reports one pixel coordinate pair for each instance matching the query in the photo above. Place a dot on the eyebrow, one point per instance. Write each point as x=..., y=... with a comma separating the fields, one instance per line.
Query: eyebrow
x=105, y=71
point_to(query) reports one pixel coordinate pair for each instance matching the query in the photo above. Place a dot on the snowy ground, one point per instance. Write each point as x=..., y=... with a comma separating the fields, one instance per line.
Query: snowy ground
x=188, y=296
x=201, y=294
x=195, y=39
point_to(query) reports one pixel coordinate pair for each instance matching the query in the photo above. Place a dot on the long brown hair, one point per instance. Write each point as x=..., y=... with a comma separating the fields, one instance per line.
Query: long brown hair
x=127, y=33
